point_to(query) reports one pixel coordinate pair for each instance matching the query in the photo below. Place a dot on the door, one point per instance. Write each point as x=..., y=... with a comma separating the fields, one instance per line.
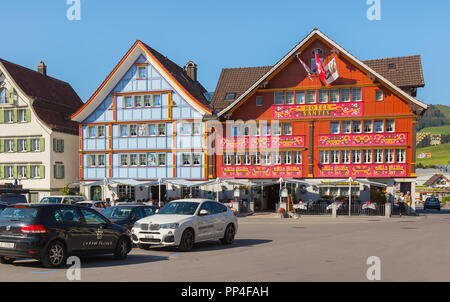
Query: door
x=71, y=221
x=221, y=220
x=206, y=223
x=96, y=193
x=102, y=238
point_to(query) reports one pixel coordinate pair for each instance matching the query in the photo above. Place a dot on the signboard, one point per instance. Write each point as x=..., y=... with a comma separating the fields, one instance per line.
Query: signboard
x=237, y=192
x=262, y=142
x=299, y=111
x=366, y=139
x=363, y=170
x=262, y=171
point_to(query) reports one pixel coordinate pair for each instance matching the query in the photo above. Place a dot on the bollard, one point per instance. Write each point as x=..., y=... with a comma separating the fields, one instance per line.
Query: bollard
x=387, y=209
x=334, y=210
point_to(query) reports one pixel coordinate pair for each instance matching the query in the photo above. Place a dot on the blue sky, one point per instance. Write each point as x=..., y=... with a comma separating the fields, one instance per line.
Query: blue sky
x=218, y=34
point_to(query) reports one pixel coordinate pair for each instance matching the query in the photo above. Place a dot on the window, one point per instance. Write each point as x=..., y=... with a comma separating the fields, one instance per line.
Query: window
x=161, y=159
x=367, y=126
x=378, y=156
x=128, y=102
x=186, y=128
x=287, y=128
x=196, y=159
x=186, y=159
x=101, y=160
x=379, y=96
x=265, y=158
x=255, y=130
x=356, y=156
x=259, y=101
x=137, y=101
x=276, y=158
x=323, y=96
x=324, y=157
x=278, y=98
x=266, y=130
x=196, y=128
x=142, y=72
x=9, y=116
x=378, y=126
x=230, y=96
x=346, y=127
x=334, y=156
x=123, y=130
x=9, y=145
x=9, y=173
x=356, y=125
x=400, y=156
x=92, y=218
x=22, y=171
x=124, y=160
x=4, y=94
x=345, y=156
x=151, y=159
x=147, y=100
x=35, y=171
x=246, y=130
x=142, y=130
x=35, y=144
x=334, y=128
x=143, y=159
x=356, y=94
x=59, y=171
x=227, y=159
x=58, y=145
x=276, y=129
x=156, y=100
x=389, y=156
x=101, y=131
x=367, y=156
x=289, y=95
x=246, y=158
x=161, y=129
x=237, y=159
x=334, y=95
x=310, y=97
x=297, y=156
x=390, y=125
x=133, y=130
x=133, y=160
x=299, y=97
x=22, y=145
x=256, y=158
x=287, y=158
x=313, y=64
x=22, y=115
x=345, y=95
x=152, y=129
x=92, y=160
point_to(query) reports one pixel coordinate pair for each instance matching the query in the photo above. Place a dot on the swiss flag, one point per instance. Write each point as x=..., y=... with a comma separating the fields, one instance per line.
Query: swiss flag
x=319, y=68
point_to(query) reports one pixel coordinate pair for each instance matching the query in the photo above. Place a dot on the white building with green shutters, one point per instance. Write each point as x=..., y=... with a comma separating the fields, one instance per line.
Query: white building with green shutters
x=38, y=141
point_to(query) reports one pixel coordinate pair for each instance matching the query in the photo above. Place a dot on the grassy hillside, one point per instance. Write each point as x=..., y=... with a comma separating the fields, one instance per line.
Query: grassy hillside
x=437, y=130
x=444, y=109
x=440, y=155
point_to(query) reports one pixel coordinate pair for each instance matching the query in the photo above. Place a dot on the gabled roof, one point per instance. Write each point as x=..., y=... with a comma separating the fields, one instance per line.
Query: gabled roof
x=317, y=33
x=53, y=100
x=433, y=179
x=191, y=91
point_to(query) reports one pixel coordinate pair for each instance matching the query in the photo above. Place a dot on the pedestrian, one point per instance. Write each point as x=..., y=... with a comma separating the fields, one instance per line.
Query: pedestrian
x=401, y=203
x=408, y=202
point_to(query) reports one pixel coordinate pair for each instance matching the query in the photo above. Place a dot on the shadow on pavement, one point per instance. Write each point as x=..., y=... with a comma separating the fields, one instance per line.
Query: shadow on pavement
x=215, y=245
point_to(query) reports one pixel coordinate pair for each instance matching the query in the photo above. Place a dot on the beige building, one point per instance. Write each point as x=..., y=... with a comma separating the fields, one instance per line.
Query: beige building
x=38, y=141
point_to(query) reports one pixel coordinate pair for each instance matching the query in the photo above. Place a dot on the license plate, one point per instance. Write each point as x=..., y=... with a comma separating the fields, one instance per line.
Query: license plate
x=149, y=236
x=6, y=245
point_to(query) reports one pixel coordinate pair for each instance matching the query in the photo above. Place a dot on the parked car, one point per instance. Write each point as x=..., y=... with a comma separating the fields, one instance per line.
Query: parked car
x=12, y=198
x=69, y=199
x=127, y=215
x=181, y=223
x=99, y=206
x=432, y=203
x=2, y=206
x=52, y=232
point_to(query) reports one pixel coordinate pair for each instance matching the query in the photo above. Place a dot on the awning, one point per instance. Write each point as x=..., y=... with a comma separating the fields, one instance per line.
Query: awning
x=345, y=183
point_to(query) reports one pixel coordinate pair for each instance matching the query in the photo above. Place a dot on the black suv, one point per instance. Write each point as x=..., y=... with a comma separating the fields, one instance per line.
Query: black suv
x=52, y=232
x=12, y=198
x=127, y=215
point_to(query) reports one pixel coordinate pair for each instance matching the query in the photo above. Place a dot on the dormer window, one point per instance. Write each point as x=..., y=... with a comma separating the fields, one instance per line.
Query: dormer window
x=142, y=72
x=230, y=96
x=391, y=66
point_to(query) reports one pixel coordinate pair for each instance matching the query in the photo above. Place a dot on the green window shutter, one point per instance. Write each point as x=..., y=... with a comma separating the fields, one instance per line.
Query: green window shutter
x=28, y=144
x=28, y=115
x=28, y=171
x=2, y=145
x=15, y=171
x=63, y=175
x=15, y=117
x=62, y=146
x=54, y=145
x=11, y=95
x=42, y=171
x=2, y=116
x=42, y=145
x=15, y=145
x=2, y=172
x=54, y=172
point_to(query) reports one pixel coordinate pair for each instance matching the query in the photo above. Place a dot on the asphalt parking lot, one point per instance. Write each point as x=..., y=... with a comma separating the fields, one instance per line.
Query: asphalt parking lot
x=271, y=249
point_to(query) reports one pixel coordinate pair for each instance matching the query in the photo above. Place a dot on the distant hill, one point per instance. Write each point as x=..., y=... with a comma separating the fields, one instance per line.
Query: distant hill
x=444, y=109
x=435, y=116
x=440, y=155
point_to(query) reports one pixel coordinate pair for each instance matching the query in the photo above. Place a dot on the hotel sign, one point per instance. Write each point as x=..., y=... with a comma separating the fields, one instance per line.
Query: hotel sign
x=317, y=110
x=262, y=171
x=262, y=142
x=364, y=170
x=361, y=140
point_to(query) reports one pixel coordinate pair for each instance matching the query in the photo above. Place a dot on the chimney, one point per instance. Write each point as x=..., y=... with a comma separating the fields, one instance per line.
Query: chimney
x=191, y=70
x=42, y=68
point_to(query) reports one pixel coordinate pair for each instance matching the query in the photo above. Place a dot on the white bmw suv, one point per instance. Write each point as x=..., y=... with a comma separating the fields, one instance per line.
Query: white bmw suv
x=182, y=223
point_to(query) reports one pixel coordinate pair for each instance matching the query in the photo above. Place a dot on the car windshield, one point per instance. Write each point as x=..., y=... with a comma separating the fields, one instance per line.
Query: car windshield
x=117, y=212
x=51, y=200
x=19, y=213
x=179, y=208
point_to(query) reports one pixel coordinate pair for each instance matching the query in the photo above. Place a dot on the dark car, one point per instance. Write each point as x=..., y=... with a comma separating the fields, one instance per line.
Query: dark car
x=127, y=215
x=11, y=198
x=51, y=233
x=2, y=206
x=432, y=203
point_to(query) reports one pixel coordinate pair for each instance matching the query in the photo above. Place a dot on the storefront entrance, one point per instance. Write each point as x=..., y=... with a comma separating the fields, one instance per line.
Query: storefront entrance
x=96, y=193
x=271, y=198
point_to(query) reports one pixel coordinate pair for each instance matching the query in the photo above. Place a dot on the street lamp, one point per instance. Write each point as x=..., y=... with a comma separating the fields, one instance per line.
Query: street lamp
x=350, y=196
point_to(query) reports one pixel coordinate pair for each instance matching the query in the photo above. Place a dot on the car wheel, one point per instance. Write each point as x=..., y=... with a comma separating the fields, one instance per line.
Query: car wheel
x=144, y=246
x=228, y=237
x=187, y=241
x=122, y=249
x=54, y=255
x=6, y=260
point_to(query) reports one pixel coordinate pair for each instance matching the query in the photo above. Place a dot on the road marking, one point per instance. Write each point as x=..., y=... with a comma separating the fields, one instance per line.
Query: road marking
x=34, y=272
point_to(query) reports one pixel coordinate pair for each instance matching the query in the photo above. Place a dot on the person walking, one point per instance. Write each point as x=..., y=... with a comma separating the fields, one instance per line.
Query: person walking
x=408, y=202
x=401, y=204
